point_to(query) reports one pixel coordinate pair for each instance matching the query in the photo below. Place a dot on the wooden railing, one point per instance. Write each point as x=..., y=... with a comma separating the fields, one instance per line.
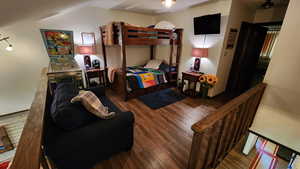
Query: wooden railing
x=29, y=150
x=216, y=135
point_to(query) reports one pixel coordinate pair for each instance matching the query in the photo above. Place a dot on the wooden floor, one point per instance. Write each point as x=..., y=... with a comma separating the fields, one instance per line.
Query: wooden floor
x=162, y=137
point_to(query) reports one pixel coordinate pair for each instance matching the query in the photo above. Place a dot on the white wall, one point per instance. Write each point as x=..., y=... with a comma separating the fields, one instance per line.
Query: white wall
x=20, y=69
x=283, y=91
x=219, y=60
x=184, y=19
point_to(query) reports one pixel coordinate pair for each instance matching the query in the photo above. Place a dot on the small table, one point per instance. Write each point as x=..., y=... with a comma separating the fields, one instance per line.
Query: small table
x=191, y=77
x=95, y=73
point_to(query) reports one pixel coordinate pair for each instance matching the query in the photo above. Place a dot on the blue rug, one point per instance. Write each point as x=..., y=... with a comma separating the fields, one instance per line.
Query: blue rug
x=161, y=98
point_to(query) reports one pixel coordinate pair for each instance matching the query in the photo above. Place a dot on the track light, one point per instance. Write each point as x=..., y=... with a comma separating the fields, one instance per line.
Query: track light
x=9, y=47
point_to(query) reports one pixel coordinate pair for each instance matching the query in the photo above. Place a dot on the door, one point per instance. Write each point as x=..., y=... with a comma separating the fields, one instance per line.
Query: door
x=250, y=43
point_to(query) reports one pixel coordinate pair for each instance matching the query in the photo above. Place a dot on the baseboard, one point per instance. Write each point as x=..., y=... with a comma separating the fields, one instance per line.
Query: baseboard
x=13, y=113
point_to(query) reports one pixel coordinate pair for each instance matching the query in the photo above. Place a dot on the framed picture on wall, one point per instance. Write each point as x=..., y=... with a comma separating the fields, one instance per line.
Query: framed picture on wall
x=88, y=38
x=231, y=38
x=5, y=143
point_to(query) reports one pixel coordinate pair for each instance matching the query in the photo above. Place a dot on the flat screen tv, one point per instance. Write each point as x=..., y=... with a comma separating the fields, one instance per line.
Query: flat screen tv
x=208, y=24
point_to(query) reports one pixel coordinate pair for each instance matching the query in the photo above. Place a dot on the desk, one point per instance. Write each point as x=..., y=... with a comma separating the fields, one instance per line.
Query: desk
x=191, y=78
x=273, y=128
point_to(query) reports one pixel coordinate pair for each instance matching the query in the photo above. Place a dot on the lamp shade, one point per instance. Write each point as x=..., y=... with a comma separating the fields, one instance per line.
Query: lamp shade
x=86, y=50
x=200, y=52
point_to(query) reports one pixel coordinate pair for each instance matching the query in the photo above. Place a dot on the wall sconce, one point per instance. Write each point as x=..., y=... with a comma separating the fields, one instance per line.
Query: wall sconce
x=5, y=39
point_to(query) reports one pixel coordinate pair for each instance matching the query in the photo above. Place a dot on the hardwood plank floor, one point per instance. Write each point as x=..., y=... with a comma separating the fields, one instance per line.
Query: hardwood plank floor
x=162, y=137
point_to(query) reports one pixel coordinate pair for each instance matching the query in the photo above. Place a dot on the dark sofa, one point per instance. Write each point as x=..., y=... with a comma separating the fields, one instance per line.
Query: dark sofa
x=76, y=139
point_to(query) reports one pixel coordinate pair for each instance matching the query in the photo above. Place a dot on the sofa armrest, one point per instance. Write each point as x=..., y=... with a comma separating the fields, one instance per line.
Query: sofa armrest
x=98, y=91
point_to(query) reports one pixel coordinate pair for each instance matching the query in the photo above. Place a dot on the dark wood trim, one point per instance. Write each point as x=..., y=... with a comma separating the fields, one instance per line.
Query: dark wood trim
x=28, y=153
x=152, y=52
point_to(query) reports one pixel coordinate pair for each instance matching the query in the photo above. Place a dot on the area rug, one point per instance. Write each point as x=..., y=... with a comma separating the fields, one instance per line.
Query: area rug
x=161, y=98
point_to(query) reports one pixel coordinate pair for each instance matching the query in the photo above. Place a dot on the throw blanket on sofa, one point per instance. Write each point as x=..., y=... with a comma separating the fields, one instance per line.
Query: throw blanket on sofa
x=139, y=77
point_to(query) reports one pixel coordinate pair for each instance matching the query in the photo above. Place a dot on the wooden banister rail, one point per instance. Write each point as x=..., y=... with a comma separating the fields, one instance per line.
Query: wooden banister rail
x=216, y=135
x=29, y=153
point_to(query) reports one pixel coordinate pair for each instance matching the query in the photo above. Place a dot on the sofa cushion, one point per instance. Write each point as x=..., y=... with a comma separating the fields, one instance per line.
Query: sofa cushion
x=65, y=114
x=92, y=103
x=92, y=143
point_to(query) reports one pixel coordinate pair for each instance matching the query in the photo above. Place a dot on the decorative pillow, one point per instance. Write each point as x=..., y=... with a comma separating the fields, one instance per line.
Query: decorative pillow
x=66, y=115
x=153, y=64
x=91, y=102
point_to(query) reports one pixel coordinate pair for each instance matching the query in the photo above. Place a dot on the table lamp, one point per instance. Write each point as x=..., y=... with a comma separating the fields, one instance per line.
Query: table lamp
x=199, y=53
x=86, y=51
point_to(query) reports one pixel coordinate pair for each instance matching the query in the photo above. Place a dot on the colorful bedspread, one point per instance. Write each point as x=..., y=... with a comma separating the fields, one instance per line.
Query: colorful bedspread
x=139, y=77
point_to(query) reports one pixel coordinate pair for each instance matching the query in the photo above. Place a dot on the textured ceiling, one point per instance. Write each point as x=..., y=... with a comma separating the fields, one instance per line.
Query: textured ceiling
x=15, y=10
x=257, y=3
x=155, y=6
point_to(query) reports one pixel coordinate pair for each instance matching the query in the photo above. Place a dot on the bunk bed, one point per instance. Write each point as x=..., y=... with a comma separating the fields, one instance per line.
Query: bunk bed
x=122, y=34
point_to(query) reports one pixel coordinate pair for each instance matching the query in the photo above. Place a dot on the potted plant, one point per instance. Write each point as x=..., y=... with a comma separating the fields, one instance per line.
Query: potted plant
x=207, y=81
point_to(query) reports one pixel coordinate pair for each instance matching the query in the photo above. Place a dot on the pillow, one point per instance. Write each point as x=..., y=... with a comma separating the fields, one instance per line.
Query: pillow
x=66, y=115
x=153, y=64
x=91, y=102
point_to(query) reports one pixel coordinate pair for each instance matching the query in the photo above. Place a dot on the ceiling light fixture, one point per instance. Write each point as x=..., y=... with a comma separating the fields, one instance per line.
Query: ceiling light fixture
x=9, y=47
x=168, y=3
x=268, y=4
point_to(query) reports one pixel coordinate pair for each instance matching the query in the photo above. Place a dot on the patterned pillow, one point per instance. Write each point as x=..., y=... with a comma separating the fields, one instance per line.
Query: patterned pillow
x=153, y=64
x=91, y=102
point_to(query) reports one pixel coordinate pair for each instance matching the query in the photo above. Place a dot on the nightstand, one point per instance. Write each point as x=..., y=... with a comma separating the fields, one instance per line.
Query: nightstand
x=191, y=78
x=95, y=73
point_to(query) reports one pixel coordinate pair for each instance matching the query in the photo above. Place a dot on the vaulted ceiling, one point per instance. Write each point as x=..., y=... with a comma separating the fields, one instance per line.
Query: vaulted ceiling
x=15, y=10
x=257, y=3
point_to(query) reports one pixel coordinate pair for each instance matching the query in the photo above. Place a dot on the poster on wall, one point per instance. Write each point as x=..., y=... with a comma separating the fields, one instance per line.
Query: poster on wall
x=231, y=38
x=60, y=48
x=58, y=42
x=5, y=143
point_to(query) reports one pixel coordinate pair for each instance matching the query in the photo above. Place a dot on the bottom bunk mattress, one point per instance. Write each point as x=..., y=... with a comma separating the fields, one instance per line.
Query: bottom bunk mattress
x=140, y=78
